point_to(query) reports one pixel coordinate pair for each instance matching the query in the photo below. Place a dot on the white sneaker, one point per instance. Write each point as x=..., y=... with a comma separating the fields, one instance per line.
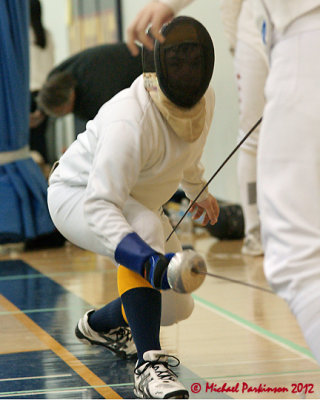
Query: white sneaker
x=118, y=340
x=155, y=380
x=252, y=246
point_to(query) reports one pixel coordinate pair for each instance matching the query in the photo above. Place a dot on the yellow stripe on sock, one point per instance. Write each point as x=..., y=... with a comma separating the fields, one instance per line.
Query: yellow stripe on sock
x=128, y=280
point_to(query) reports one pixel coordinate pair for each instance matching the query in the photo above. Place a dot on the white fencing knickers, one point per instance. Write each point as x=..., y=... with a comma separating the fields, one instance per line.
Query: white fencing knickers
x=289, y=173
x=66, y=210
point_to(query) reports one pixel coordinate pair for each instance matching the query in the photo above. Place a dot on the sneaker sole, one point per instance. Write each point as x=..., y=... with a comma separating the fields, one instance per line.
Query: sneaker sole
x=84, y=339
x=178, y=394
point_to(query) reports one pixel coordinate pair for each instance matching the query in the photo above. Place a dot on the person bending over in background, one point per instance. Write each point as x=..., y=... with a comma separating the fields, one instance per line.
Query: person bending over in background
x=84, y=82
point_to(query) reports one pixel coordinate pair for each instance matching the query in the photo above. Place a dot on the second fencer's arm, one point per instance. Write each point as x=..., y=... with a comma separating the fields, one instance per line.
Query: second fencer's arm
x=155, y=13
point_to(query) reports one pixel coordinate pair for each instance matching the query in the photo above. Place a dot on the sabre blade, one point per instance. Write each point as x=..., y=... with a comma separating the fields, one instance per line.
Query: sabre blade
x=196, y=271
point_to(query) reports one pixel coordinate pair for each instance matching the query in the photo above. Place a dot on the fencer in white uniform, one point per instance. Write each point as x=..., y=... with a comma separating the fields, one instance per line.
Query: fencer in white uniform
x=251, y=70
x=288, y=173
x=106, y=196
x=114, y=179
x=289, y=162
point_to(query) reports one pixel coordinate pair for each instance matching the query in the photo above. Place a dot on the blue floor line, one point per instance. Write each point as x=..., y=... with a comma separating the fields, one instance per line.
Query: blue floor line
x=57, y=311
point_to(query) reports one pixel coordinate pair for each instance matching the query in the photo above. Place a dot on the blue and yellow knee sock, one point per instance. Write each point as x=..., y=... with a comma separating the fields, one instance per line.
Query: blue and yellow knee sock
x=142, y=308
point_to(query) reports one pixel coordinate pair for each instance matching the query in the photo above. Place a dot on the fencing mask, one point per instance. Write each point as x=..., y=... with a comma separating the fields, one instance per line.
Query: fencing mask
x=177, y=74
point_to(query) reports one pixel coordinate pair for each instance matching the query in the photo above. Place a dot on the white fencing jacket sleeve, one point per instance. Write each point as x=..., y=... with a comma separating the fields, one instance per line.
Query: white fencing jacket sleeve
x=283, y=12
x=230, y=11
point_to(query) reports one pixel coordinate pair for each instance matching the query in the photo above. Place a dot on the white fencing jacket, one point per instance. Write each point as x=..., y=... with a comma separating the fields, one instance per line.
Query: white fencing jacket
x=128, y=149
x=282, y=12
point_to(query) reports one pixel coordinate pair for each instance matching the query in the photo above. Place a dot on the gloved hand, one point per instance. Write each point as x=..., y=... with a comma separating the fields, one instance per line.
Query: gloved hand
x=156, y=268
x=135, y=254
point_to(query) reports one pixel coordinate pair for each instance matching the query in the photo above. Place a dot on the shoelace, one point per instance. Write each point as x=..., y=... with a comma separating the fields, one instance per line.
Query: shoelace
x=122, y=333
x=168, y=374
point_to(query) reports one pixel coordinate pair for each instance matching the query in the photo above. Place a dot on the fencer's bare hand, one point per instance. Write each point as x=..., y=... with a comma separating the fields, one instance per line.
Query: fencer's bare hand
x=35, y=119
x=153, y=13
x=210, y=207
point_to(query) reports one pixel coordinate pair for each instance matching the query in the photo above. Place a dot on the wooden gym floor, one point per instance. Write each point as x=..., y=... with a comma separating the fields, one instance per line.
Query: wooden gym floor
x=240, y=342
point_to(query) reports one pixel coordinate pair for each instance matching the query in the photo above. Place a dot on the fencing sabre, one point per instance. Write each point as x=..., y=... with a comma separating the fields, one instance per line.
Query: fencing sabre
x=187, y=269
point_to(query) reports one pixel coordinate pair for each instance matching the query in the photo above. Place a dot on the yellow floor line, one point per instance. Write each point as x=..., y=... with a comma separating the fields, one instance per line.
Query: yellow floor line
x=61, y=352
